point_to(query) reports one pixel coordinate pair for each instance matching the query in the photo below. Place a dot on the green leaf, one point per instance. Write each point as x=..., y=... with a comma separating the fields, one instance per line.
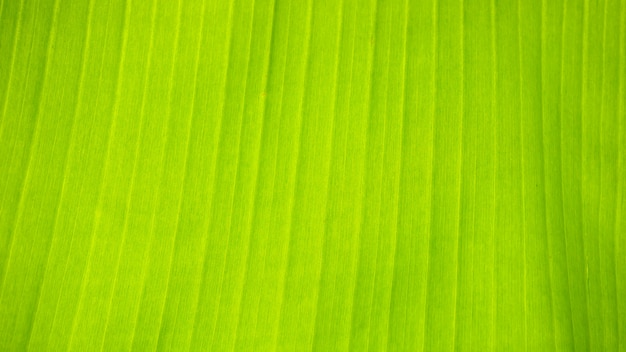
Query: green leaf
x=328, y=175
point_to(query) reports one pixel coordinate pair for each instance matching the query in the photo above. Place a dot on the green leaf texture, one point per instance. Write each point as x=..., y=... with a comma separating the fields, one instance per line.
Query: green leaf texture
x=328, y=175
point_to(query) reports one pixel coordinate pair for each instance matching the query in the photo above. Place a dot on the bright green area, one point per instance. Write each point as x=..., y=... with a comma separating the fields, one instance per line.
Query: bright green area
x=328, y=175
